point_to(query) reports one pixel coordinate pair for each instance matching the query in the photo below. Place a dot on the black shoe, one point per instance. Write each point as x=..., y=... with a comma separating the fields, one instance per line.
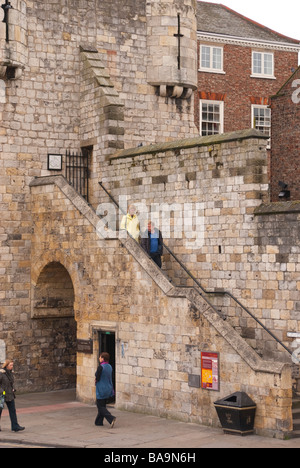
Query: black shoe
x=19, y=429
x=113, y=422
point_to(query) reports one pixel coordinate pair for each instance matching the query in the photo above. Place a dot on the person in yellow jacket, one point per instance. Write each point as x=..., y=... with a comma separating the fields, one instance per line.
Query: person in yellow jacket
x=131, y=224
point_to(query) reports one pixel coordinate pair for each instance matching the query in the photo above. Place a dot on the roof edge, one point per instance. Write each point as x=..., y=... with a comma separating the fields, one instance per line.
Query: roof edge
x=255, y=23
x=221, y=37
x=296, y=41
x=278, y=94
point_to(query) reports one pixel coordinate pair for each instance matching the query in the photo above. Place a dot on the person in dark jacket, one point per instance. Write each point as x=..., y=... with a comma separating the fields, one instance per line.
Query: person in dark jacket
x=104, y=390
x=7, y=385
x=152, y=243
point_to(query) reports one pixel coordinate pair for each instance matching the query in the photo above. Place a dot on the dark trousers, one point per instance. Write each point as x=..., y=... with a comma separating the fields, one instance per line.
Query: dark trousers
x=103, y=413
x=12, y=414
x=156, y=258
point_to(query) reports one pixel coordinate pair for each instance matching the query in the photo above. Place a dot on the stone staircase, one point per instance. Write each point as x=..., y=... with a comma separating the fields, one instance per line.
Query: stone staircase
x=197, y=305
x=296, y=416
x=296, y=401
x=223, y=316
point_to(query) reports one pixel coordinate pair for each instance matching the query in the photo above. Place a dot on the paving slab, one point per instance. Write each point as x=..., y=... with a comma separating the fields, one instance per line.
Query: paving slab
x=57, y=420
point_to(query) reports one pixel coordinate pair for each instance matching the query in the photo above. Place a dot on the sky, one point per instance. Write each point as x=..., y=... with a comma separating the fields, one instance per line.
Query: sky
x=281, y=15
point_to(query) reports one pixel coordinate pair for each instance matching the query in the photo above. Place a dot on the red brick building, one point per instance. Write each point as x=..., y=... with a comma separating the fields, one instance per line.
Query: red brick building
x=241, y=64
x=285, y=151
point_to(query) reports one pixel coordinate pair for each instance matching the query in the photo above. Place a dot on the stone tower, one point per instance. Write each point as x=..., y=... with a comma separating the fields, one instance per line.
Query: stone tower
x=13, y=39
x=77, y=75
x=172, y=47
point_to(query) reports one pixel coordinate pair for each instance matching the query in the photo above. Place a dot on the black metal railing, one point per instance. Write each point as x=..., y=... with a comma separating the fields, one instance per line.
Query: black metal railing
x=202, y=291
x=228, y=294
x=77, y=172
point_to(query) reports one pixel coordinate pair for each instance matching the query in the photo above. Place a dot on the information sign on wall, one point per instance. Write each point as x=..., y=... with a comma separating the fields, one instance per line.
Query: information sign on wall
x=85, y=346
x=210, y=371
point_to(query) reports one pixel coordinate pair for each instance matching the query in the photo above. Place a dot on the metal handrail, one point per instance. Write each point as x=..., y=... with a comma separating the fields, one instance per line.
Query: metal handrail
x=204, y=291
x=226, y=293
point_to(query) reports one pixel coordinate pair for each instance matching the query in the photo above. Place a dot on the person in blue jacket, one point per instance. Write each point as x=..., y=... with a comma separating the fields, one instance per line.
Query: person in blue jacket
x=152, y=243
x=104, y=390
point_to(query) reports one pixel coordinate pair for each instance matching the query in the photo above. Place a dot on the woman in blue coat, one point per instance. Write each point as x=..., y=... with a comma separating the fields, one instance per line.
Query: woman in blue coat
x=104, y=390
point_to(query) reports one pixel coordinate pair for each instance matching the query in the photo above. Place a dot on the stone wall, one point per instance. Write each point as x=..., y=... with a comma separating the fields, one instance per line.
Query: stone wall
x=172, y=47
x=160, y=329
x=85, y=85
x=13, y=41
x=59, y=103
x=279, y=255
x=214, y=185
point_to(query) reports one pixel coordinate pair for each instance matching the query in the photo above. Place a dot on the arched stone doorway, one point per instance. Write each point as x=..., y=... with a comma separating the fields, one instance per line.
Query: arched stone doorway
x=53, y=354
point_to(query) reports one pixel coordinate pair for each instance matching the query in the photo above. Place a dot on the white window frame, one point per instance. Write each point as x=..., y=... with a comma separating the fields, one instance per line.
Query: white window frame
x=257, y=106
x=221, y=123
x=262, y=74
x=211, y=69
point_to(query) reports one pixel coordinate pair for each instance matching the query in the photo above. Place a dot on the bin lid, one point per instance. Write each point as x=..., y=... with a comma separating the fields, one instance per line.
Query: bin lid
x=236, y=400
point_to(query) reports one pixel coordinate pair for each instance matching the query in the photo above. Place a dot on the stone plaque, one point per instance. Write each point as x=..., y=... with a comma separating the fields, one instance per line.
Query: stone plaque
x=194, y=381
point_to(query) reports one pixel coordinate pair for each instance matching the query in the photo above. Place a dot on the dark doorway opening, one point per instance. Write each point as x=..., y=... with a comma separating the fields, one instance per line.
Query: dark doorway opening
x=107, y=343
x=53, y=350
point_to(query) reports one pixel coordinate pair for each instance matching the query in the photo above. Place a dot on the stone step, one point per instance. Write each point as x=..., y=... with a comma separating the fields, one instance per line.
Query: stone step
x=296, y=424
x=296, y=417
x=296, y=414
x=296, y=403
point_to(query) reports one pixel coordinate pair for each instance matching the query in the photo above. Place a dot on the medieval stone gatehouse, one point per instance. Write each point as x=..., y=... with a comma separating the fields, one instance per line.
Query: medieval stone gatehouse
x=98, y=91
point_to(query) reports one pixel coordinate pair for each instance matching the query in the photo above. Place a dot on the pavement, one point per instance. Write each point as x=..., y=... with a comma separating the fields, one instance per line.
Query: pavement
x=57, y=420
